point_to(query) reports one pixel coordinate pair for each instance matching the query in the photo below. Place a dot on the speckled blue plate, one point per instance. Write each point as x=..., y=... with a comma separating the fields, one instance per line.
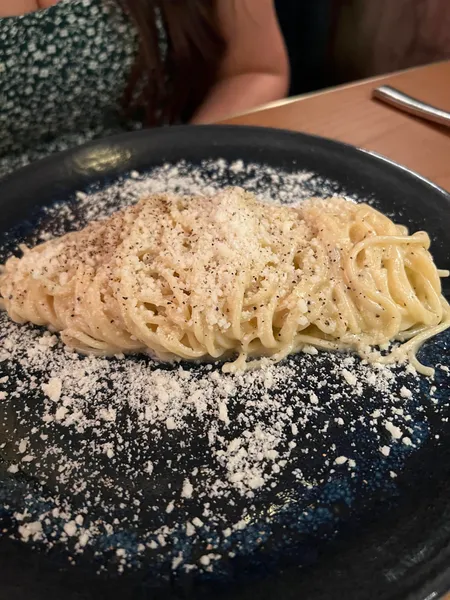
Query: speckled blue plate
x=352, y=513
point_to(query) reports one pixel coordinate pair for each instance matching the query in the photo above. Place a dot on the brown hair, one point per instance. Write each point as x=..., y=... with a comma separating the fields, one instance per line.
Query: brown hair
x=169, y=85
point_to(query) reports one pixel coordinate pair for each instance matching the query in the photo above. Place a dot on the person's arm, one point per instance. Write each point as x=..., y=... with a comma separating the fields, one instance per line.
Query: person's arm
x=255, y=68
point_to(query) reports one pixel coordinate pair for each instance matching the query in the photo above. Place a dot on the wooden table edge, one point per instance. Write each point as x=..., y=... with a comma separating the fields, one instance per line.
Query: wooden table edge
x=328, y=90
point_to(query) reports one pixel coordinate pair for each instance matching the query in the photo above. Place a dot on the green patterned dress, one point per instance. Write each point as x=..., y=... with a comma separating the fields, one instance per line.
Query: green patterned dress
x=63, y=72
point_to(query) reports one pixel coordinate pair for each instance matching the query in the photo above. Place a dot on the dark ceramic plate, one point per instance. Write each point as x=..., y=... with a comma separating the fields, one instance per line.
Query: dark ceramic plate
x=371, y=524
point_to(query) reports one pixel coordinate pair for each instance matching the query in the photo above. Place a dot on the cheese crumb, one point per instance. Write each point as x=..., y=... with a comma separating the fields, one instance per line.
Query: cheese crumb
x=31, y=530
x=70, y=528
x=187, y=490
x=176, y=562
x=23, y=446
x=405, y=393
x=396, y=432
x=61, y=412
x=53, y=388
x=313, y=398
x=84, y=538
x=307, y=349
x=223, y=413
x=350, y=378
x=197, y=522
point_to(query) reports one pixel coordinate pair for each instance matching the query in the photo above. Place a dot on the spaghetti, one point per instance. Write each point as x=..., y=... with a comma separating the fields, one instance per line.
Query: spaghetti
x=208, y=277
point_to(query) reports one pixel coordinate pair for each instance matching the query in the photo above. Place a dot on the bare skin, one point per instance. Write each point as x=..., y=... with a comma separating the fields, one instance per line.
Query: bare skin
x=255, y=67
x=14, y=8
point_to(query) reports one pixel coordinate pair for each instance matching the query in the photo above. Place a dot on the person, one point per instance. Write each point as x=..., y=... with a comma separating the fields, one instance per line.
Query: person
x=75, y=70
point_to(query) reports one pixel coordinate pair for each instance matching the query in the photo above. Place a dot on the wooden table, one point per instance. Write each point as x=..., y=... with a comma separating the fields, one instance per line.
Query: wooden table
x=348, y=113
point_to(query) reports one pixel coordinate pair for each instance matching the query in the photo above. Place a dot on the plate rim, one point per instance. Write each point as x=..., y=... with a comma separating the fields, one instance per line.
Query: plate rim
x=12, y=178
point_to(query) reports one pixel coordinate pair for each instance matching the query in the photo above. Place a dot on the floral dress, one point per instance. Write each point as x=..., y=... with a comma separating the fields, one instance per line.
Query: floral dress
x=63, y=73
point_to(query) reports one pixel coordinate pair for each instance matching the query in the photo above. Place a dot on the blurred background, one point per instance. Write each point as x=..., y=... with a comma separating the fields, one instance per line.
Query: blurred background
x=338, y=41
